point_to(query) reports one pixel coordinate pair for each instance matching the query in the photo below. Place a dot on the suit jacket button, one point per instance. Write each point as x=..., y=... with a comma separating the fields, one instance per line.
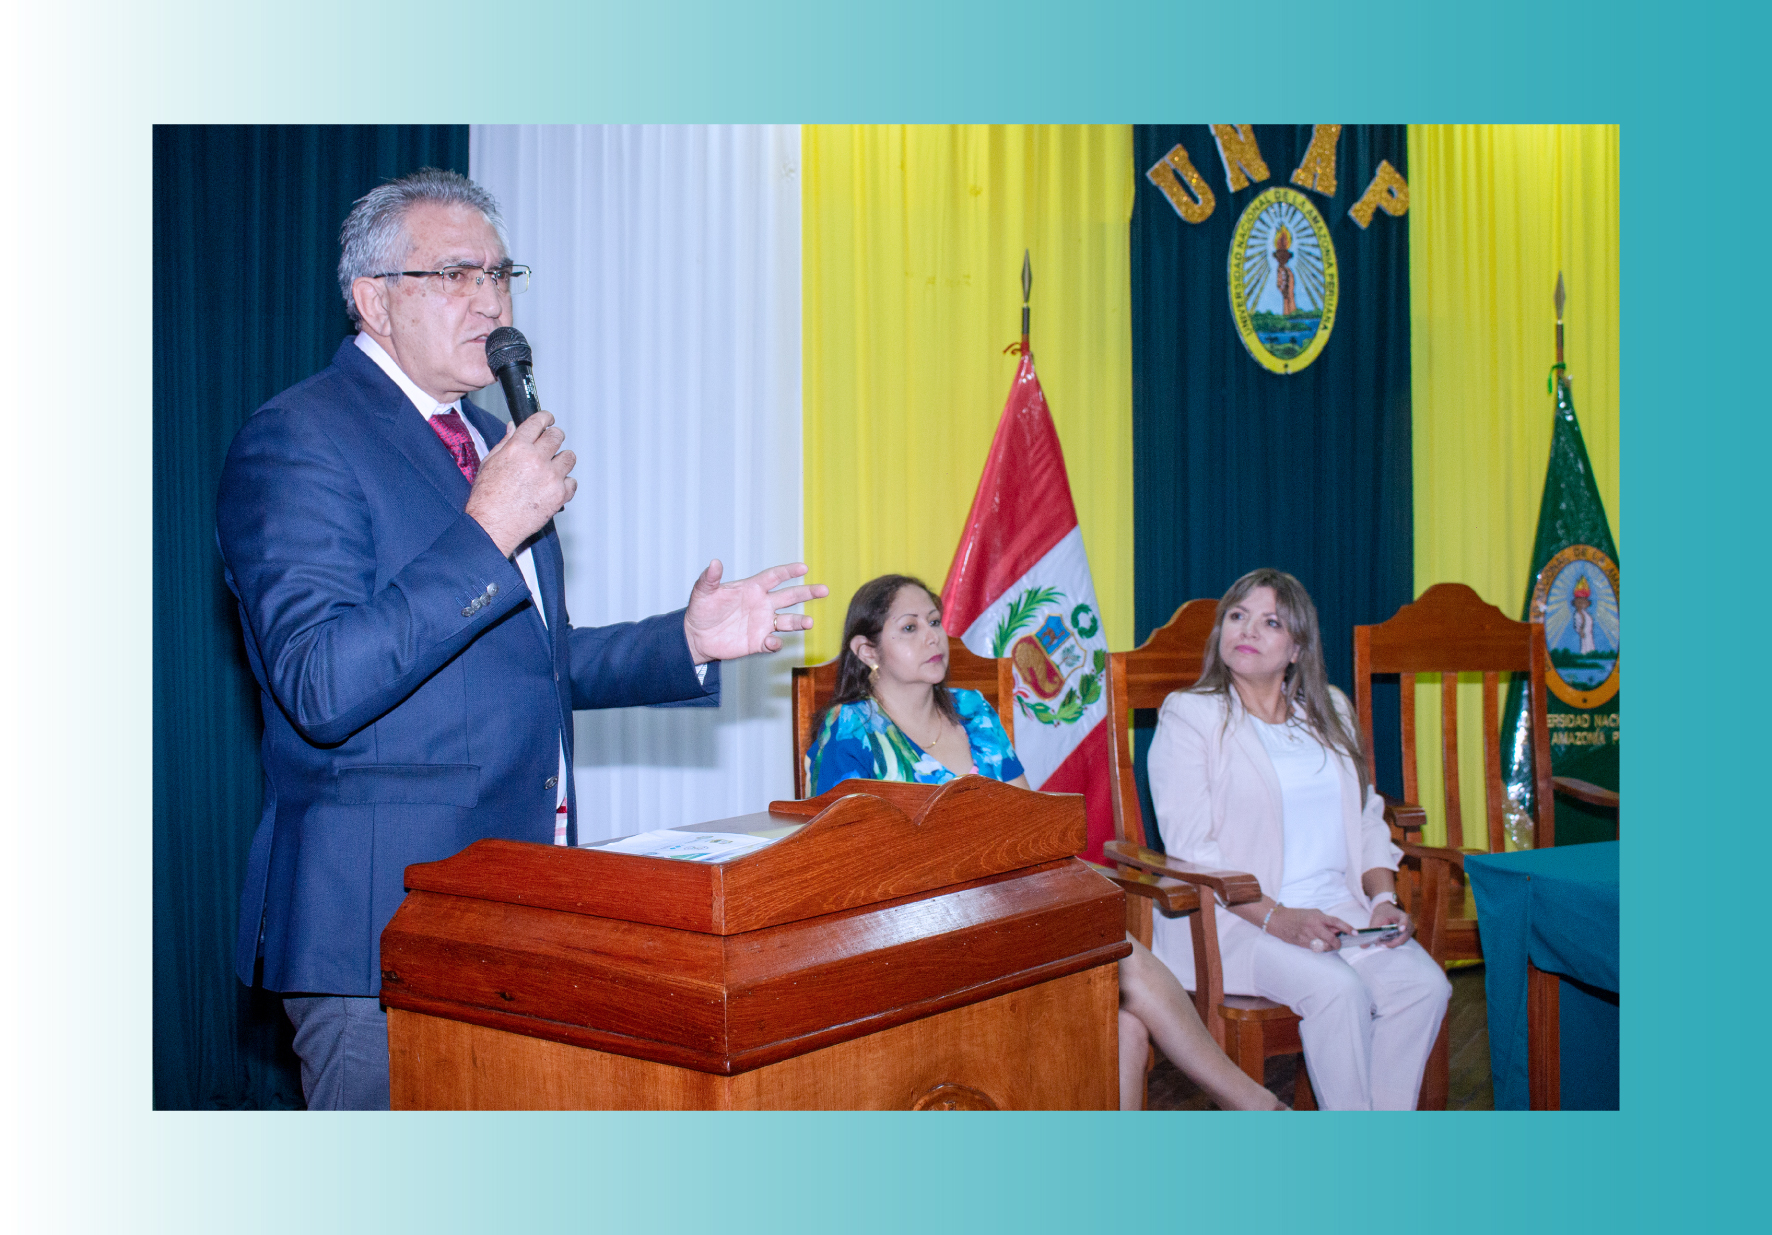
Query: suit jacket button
x=492, y=589
x=468, y=612
x=551, y=782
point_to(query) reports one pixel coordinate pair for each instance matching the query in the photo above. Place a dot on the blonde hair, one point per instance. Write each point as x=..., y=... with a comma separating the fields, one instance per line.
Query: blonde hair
x=1306, y=684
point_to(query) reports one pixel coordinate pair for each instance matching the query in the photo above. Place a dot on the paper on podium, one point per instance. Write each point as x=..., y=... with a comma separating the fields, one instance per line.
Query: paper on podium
x=684, y=846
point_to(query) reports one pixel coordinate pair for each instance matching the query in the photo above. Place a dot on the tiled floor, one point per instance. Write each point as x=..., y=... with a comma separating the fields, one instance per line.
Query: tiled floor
x=1470, y=1085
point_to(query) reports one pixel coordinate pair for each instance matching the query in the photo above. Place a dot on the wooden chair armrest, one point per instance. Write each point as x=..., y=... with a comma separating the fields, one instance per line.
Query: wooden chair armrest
x=1585, y=791
x=1438, y=853
x=1172, y=896
x=1406, y=817
x=1232, y=887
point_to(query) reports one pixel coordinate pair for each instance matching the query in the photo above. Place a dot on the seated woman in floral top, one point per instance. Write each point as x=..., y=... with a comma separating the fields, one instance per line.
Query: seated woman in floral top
x=891, y=686
x=893, y=717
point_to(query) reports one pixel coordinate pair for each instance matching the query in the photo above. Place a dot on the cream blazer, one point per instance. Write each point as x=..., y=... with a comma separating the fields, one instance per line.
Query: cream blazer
x=1218, y=804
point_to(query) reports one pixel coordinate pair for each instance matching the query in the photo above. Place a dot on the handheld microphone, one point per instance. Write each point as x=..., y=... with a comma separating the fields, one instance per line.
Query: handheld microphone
x=507, y=354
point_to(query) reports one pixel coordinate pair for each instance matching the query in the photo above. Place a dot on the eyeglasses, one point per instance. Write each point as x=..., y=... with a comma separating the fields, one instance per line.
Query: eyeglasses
x=466, y=280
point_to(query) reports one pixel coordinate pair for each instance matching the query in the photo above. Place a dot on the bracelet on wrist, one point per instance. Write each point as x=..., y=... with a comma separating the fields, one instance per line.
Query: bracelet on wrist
x=1270, y=913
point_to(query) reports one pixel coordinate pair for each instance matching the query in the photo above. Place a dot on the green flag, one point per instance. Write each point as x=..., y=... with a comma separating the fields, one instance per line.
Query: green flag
x=1574, y=592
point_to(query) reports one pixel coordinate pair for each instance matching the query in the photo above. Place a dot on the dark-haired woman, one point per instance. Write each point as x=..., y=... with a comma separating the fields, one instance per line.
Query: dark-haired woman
x=1257, y=769
x=892, y=717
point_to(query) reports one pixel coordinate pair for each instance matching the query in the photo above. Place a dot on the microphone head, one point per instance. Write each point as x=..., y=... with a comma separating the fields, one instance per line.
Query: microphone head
x=506, y=346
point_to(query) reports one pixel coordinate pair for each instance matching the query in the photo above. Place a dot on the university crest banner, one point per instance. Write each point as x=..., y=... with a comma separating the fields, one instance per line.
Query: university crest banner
x=1271, y=377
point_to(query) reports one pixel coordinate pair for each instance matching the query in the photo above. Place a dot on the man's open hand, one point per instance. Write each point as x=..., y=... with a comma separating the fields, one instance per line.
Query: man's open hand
x=727, y=620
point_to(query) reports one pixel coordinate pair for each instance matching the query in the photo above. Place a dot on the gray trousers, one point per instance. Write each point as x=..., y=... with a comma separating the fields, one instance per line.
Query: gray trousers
x=342, y=1041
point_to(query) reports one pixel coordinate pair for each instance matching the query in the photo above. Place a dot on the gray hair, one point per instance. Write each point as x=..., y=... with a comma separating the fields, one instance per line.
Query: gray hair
x=374, y=238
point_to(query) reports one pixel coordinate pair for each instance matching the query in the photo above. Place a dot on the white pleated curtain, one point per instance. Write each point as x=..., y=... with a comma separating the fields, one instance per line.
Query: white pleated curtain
x=664, y=314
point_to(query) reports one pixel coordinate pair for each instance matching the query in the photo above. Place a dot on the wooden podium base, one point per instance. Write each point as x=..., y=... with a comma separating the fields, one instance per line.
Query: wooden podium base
x=1053, y=1046
x=901, y=947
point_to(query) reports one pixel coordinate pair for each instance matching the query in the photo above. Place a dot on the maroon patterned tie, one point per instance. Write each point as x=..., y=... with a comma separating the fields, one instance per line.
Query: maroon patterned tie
x=449, y=426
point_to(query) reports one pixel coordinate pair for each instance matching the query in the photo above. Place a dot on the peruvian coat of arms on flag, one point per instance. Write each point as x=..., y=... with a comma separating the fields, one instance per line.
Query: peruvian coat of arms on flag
x=1020, y=587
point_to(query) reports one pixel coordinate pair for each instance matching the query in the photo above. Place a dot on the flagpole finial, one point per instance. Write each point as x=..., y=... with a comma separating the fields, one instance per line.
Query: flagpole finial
x=1560, y=299
x=1027, y=290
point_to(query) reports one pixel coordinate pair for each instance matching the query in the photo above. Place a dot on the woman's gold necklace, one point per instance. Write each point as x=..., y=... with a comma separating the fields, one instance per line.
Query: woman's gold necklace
x=902, y=728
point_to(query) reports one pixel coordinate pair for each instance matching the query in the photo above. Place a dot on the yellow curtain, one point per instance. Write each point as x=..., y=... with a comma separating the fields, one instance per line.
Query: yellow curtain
x=911, y=248
x=1495, y=212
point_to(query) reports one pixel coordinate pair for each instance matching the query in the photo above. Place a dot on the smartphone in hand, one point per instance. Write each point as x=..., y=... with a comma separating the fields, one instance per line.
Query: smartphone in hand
x=1371, y=935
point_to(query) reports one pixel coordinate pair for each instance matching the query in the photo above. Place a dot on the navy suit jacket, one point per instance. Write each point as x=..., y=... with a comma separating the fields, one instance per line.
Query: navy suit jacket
x=413, y=702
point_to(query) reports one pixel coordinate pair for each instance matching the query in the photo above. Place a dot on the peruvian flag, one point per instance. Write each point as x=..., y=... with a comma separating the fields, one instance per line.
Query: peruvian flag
x=1020, y=587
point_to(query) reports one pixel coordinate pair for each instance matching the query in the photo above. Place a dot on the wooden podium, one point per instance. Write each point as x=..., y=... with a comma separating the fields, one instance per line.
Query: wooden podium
x=898, y=947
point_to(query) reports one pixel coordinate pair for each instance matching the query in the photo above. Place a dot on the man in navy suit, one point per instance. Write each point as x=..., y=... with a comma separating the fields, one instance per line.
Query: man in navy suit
x=400, y=591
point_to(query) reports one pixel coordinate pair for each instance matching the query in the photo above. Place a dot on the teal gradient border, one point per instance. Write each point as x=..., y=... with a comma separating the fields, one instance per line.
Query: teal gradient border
x=88, y=81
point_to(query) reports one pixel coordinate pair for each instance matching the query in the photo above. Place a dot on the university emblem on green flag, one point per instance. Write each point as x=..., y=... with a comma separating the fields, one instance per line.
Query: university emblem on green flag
x=1574, y=592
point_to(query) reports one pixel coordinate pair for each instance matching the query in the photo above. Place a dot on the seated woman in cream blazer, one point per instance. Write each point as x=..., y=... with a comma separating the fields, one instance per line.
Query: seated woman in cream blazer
x=1257, y=769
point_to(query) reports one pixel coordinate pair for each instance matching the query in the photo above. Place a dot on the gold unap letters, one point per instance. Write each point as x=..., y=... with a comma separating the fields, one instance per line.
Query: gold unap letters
x=1317, y=171
x=1195, y=209
x=1236, y=146
x=1388, y=192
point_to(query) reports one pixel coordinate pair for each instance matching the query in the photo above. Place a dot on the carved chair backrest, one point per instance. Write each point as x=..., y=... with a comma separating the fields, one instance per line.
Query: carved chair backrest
x=1448, y=631
x=1170, y=660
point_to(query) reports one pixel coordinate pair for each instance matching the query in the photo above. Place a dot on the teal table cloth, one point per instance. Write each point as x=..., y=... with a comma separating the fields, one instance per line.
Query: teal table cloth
x=1560, y=908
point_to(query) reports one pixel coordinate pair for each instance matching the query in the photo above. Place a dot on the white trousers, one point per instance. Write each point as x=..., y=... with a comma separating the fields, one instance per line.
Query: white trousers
x=1369, y=1015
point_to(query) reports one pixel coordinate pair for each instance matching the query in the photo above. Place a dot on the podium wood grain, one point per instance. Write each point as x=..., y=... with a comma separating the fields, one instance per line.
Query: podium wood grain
x=868, y=841
x=1052, y=1046
x=895, y=906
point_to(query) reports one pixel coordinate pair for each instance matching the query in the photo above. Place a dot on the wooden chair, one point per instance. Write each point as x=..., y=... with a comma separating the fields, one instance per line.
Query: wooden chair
x=1448, y=631
x=815, y=684
x=1248, y=1028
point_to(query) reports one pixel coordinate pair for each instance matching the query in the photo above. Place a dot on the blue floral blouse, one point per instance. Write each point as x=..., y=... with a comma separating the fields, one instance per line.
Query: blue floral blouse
x=859, y=740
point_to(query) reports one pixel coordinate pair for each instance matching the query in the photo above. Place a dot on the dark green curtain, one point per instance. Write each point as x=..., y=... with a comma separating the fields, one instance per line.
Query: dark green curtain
x=1235, y=467
x=246, y=303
